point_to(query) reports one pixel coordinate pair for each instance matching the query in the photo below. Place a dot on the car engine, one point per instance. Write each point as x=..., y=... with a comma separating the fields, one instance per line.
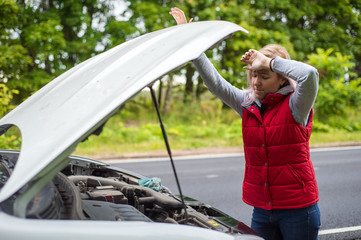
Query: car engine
x=90, y=190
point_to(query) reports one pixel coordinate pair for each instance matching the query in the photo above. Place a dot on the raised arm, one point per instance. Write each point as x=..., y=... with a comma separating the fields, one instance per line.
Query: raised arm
x=306, y=76
x=302, y=100
x=216, y=84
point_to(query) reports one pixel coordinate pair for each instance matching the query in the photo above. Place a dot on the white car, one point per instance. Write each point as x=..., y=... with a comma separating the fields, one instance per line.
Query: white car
x=47, y=194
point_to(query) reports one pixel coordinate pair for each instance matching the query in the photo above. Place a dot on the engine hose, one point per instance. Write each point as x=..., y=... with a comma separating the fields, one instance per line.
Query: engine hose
x=159, y=198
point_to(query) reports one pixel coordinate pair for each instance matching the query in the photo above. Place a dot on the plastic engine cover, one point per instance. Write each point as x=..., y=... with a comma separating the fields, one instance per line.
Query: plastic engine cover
x=110, y=211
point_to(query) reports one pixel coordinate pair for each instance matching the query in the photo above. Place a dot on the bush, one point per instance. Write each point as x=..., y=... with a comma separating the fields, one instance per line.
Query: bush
x=339, y=87
x=11, y=139
x=6, y=95
x=320, y=127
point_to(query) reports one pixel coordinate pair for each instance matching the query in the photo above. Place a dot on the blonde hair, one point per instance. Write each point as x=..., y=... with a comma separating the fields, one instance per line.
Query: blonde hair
x=271, y=51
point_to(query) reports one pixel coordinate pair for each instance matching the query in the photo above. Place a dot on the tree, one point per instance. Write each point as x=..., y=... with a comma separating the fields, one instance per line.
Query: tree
x=13, y=59
x=336, y=92
x=153, y=15
x=313, y=24
x=145, y=16
x=327, y=34
x=42, y=39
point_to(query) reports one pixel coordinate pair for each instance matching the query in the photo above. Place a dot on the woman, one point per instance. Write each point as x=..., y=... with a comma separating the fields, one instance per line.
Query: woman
x=276, y=112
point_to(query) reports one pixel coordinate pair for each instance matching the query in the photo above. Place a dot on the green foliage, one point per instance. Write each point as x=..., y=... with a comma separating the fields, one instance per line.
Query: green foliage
x=118, y=32
x=13, y=61
x=201, y=125
x=29, y=83
x=205, y=125
x=331, y=64
x=8, y=10
x=10, y=142
x=320, y=127
x=41, y=39
x=313, y=24
x=46, y=38
x=13, y=58
x=11, y=139
x=339, y=87
x=6, y=95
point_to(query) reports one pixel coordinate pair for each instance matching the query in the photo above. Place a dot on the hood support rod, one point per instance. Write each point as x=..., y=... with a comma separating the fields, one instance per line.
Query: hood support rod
x=169, y=151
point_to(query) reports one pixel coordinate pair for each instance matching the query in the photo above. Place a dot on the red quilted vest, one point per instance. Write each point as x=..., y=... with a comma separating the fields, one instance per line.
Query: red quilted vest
x=279, y=173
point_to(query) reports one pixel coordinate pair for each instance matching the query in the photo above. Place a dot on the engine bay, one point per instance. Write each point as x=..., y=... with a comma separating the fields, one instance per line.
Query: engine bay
x=90, y=190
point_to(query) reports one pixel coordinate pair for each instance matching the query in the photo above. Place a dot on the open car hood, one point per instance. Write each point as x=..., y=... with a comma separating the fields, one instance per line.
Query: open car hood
x=66, y=110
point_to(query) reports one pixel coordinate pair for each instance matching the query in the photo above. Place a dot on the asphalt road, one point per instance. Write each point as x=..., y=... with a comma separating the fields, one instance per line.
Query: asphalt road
x=217, y=180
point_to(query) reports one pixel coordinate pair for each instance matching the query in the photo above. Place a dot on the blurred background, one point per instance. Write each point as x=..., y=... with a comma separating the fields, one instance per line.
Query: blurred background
x=40, y=39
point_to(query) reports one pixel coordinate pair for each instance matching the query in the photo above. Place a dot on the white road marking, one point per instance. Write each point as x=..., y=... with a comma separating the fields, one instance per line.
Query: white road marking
x=340, y=230
x=182, y=158
x=208, y=156
x=212, y=176
x=335, y=149
x=178, y=158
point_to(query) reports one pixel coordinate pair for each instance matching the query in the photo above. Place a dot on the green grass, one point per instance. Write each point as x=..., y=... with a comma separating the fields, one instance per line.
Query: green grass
x=204, y=125
x=334, y=138
x=147, y=137
x=135, y=129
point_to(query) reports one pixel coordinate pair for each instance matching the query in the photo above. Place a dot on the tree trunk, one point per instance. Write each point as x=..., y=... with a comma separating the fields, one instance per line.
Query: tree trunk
x=160, y=90
x=223, y=63
x=168, y=93
x=188, y=91
x=44, y=5
x=47, y=66
x=200, y=89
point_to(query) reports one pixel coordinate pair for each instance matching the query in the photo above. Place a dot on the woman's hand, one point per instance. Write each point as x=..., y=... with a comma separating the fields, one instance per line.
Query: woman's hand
x=256, y=60
x=179, y=16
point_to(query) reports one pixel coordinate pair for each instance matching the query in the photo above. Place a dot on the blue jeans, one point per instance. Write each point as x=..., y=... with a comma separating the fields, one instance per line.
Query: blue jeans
x=287, y=224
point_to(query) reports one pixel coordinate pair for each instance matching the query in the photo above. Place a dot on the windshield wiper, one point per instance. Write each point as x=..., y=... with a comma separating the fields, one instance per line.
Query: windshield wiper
x=169, y=151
